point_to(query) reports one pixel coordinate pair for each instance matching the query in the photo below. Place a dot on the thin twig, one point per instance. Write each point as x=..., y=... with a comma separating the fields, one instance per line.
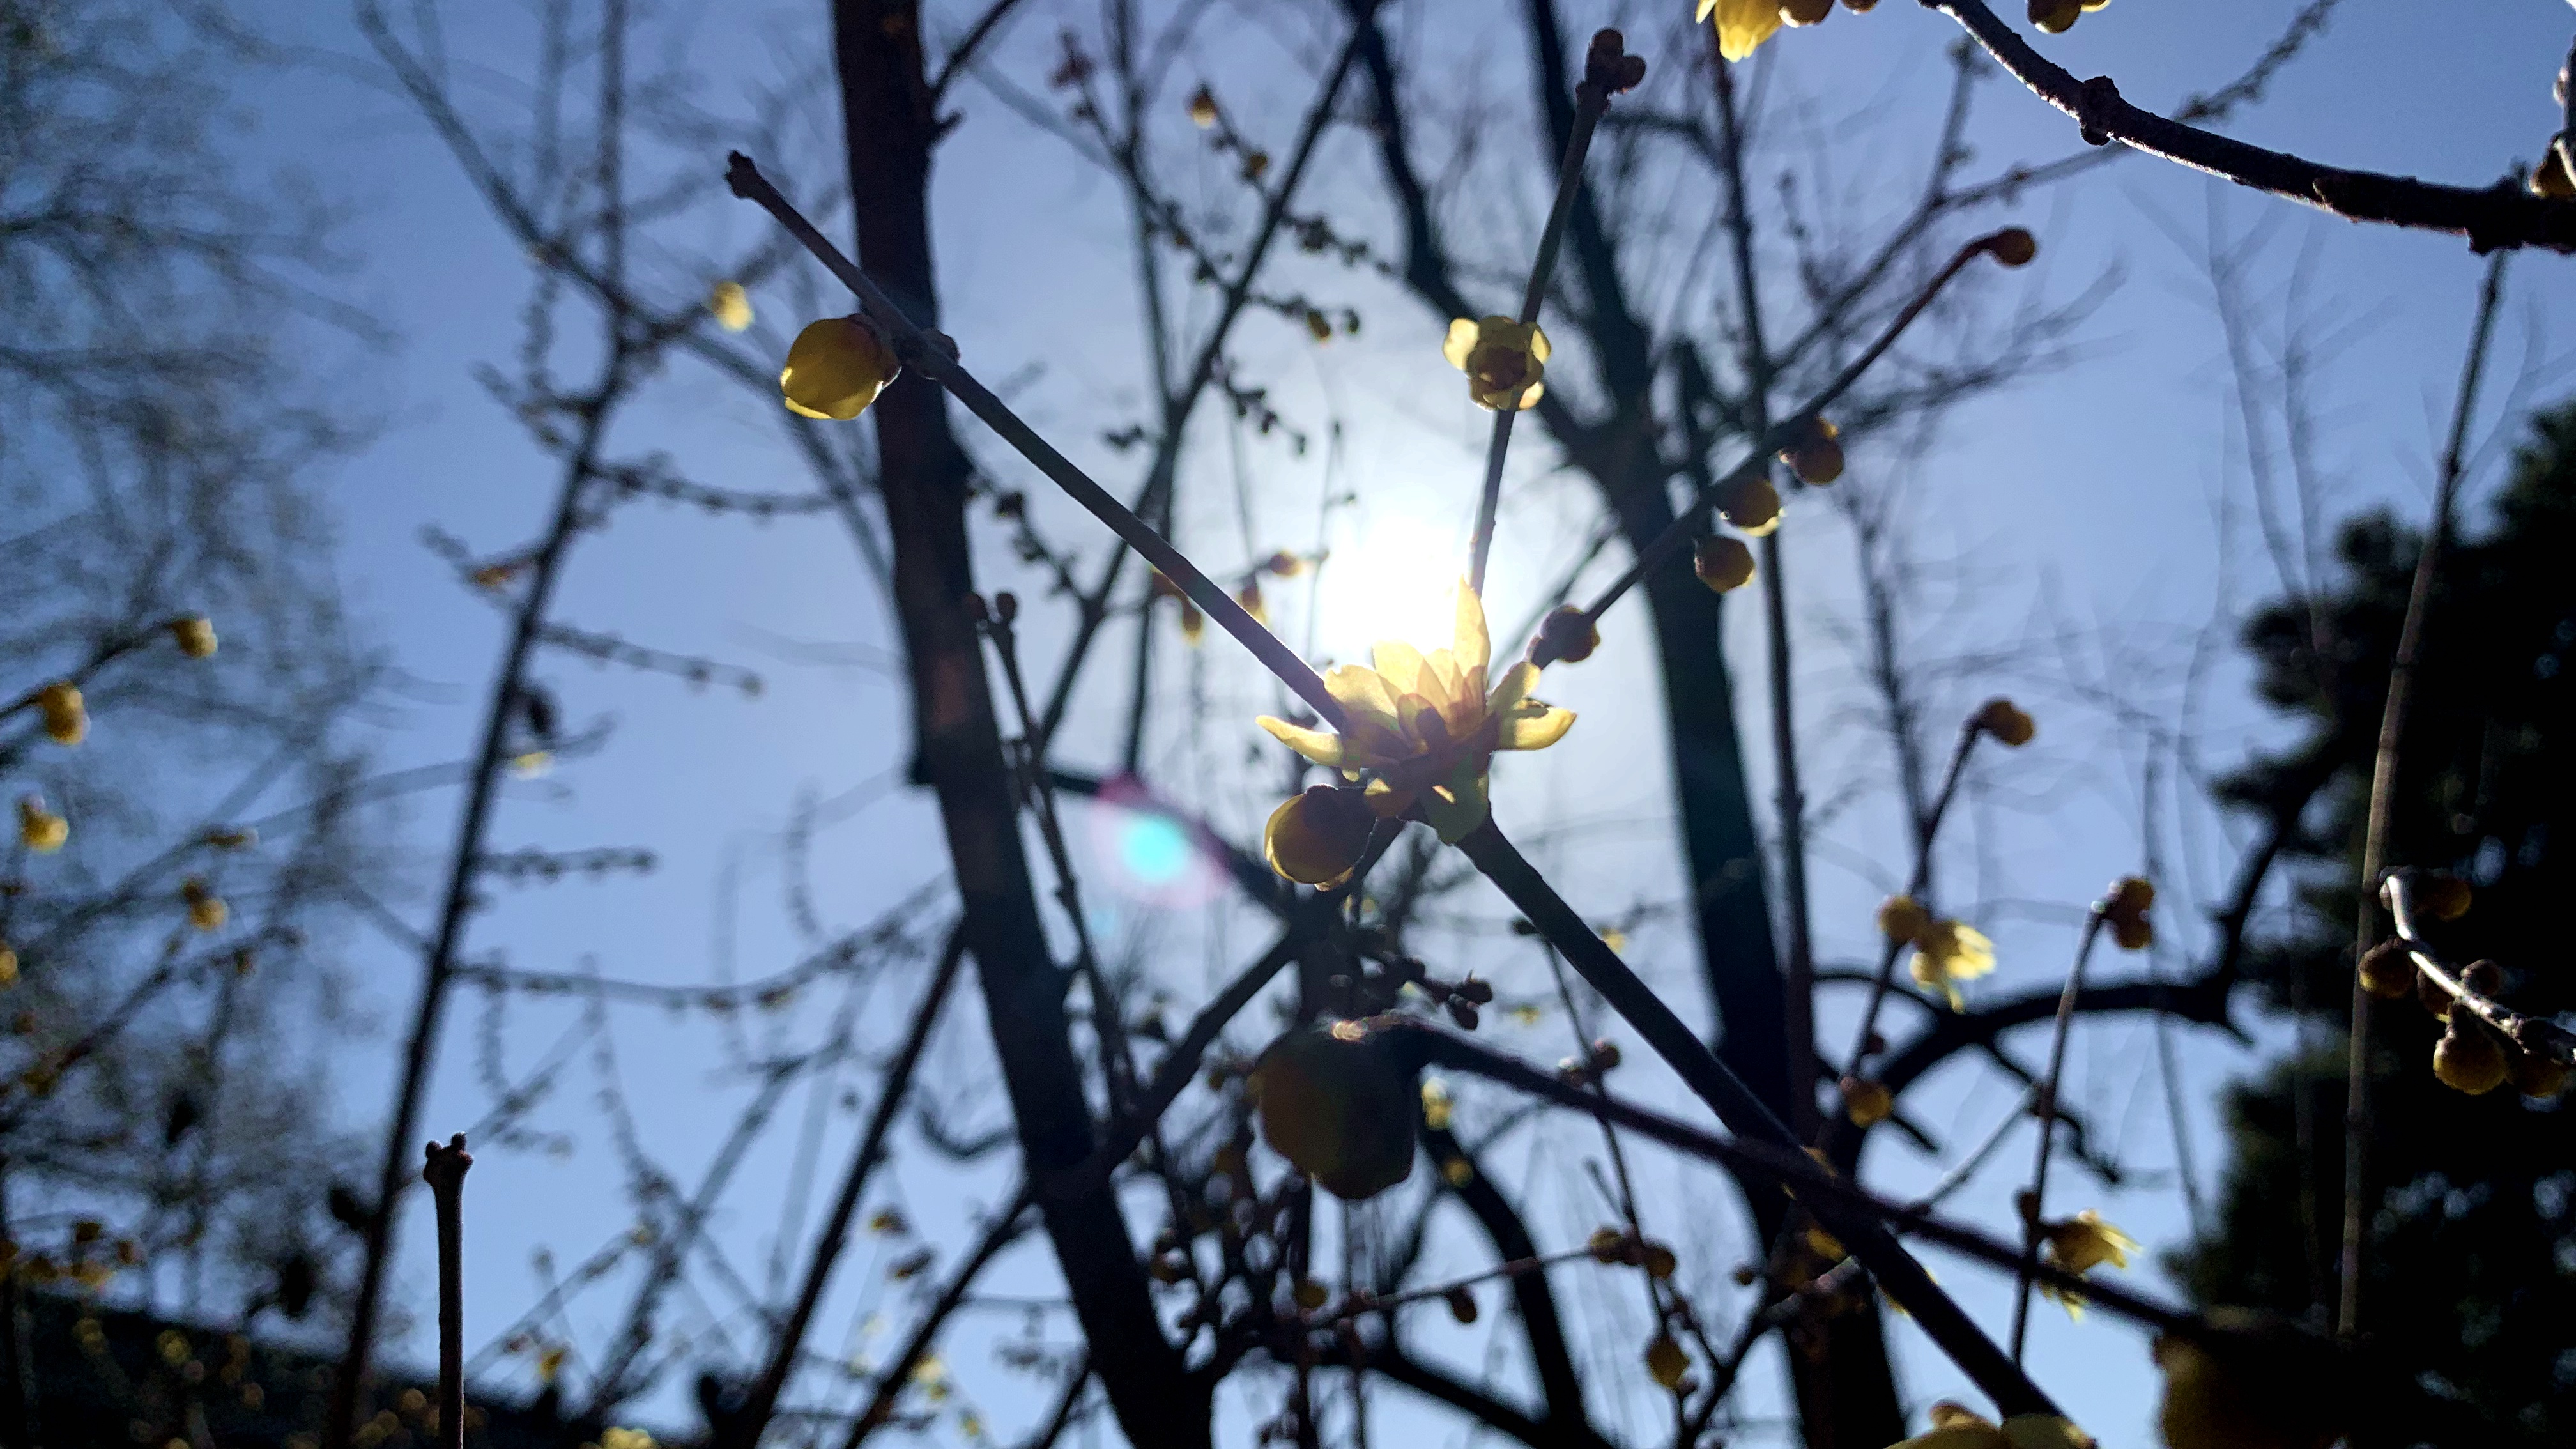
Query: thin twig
x=2492, y=218
x=2383, y=792
x=2044, y=1095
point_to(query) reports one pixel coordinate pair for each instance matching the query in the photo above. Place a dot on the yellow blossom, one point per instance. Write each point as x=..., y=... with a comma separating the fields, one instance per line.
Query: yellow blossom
x=39, y=829
x=1949, y=952
x=732, y=306
x=1504, y=360
x=835, y=368
x=2079, y=1245
x=1421, y=731
x=65, y=720
x=1741, y=24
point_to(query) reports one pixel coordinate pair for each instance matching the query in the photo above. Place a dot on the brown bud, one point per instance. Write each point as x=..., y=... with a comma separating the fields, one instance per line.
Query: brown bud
x=1721, y=562
x=1462, y=1304
x=1752, y=505
x=2469, y=1058
x=2442, y=896
x=2386, y=970
x=2013, y=246
x=1568, y=635
x=2534, y=1074
x=2485, y=978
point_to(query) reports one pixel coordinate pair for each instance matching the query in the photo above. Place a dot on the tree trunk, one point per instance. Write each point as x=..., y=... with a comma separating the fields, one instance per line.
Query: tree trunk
x=923, y=476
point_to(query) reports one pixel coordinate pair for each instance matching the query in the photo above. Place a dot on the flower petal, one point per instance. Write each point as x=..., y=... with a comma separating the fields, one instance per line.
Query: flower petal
x=1365, y=693
x=1472, y=647
x=1515, y=686
x=1321, y=746
x=1399, y=664
x=1461, y=341
x=1533, y=726
x=1744, y=24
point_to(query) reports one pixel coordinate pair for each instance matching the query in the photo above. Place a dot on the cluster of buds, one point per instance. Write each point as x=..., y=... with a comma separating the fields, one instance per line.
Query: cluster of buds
x=2476, y=1054
x=1598, y=1060
x=1624, y=1246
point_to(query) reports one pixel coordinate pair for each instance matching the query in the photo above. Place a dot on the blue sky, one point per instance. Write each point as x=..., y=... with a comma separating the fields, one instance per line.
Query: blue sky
x=2096, y=513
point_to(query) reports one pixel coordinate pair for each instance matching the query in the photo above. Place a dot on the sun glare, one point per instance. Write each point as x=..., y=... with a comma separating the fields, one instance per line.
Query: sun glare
x=1389, y=578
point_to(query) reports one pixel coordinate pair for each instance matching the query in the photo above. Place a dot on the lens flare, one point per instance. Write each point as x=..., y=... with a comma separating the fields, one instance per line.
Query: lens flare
x=1149, y=855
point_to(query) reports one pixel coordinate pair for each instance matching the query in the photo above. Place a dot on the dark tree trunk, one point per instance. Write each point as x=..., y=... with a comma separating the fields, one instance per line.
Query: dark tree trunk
x=923, y=476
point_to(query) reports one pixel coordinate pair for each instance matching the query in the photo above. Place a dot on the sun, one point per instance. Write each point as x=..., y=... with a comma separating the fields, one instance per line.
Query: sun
x=1390, y=577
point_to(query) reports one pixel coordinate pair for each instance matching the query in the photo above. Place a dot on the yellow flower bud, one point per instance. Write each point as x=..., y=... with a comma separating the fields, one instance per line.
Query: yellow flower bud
x=835, y=368
x=195, y=636
x=65, y=720
x=1752, y=505
x=2469, y=1058
x=1805, y=12
x=1666, y=1361
x=2055, y=17
x=1722, y=563
x=39, y=829
x=732, y=306
x=1203, y=108
x=206, y=910
x=2386, y=970
x=1866, y=1102
x=8, y=966
x=1569, y=634
x=2443, y=897
x=1818, y=458
x=1505, y=360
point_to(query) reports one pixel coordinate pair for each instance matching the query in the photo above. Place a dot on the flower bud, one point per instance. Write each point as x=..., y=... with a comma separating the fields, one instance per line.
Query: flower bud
x=65, y=719
x=1805, y=12
x=195, y=636
x=1666, y=1361
x=2442, y=896
x=1866, y=1102
x=1569, y=635
x=1722, y=563
x=2534, y=1074
x=2055, y=17
x=1462, y=1304
x=2013, y=246
x=2386, y=970
x=1752, y=505
x=2469, y=1058
x=2003, y=720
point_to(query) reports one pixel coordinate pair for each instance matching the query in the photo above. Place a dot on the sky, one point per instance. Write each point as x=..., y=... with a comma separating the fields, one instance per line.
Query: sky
x=2081, y=529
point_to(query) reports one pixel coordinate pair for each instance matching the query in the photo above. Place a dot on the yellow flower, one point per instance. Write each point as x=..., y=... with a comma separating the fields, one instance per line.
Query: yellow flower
x=65, y=720
x=2079, y=1245
x=2084, y=1242
x=1741, y=24
x=1504, y=360
x=195, y=636
x=39, y=829
x=835, y=368
x=1422, y=730
x=732, y=306
x=1949, y=952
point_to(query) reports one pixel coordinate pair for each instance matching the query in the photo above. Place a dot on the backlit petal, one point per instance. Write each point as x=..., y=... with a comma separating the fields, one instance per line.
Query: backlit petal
x=1317, y=836
x=1472, y=648
x=1321, y=746
x=1533, y=726
x=1515, y=686
x=1400, y=664
x=1461, y=340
